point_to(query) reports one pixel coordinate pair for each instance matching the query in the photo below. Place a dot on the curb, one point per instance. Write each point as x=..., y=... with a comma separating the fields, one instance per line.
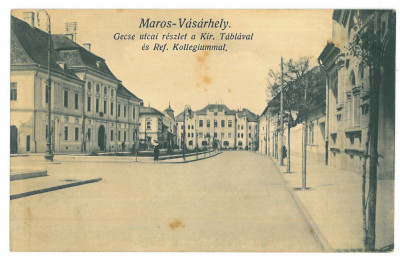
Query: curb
x=49, y=189
x=314, y=229
x=176, y=162
x=193, y=160
x=28, y=174
x=180, y=155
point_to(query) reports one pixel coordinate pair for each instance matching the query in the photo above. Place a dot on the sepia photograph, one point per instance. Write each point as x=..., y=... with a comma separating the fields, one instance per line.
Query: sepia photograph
x=202, y=130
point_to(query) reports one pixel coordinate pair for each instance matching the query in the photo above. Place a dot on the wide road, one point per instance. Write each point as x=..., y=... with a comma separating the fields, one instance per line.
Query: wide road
x=235, y=201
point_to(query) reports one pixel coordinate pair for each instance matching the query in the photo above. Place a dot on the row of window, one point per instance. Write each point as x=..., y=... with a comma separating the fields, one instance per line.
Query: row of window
x=205, y=143
x=206, y=135
x=98, y=89
x=208, y=123
x=66, y=99
x=13, y=97
x=66, y=133
x=88, y=135
x=89, y=108
x=240, y=135
x=241, y=127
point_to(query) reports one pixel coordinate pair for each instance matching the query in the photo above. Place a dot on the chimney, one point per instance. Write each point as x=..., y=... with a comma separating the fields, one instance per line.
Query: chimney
x=87, y=46
x=70, y=30
x=29, y=17
x=70, y=36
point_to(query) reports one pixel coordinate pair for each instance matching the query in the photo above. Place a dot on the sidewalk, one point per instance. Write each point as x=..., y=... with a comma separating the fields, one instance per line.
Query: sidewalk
x=33, y=175
x=38, y=161
x=333, y=203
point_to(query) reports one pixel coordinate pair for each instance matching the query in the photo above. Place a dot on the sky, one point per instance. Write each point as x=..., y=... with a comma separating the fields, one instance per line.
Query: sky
x=236, y=77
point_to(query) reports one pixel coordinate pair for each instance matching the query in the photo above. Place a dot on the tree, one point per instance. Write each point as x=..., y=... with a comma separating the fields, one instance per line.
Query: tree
x=366, y=46
x=300, y=81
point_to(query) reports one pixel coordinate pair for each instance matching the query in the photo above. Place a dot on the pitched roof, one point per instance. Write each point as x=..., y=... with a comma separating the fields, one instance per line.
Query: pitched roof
x=78, y=56
x=123, y=91
x=216, y=107
x=149, y=110
x=179, y=117
x=208, y=108
x=29, y=46
x=251, y=117
x=170, y=112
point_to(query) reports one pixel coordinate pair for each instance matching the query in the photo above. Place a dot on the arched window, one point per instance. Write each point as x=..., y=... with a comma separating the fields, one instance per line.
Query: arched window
x=148, y=125
x=112, y=92
x=105, y=90
x=97, y=88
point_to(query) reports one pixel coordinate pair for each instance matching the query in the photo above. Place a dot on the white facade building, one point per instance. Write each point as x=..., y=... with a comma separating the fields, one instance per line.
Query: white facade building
x=90, y=108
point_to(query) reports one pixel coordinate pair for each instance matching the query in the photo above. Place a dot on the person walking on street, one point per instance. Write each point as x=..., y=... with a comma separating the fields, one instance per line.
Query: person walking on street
x=156, y=152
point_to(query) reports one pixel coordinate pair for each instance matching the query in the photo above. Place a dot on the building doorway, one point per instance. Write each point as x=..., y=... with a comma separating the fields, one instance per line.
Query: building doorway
x=101, y=135
x=13, y=140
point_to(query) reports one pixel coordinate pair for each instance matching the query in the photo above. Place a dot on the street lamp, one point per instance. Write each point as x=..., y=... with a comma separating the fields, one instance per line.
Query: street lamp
x=187, y=107
x=49, y=153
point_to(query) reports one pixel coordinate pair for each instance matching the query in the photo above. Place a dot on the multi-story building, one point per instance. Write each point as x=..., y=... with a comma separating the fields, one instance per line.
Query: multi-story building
x=151, y=126
x=247, y=130
x=90, y=108
x=216, y=125
x=171, y=125
x=349, y=89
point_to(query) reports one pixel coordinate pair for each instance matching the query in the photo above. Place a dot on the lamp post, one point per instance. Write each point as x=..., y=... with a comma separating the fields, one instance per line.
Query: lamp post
x=136, y=142
x=187, y=107
x=49, y=152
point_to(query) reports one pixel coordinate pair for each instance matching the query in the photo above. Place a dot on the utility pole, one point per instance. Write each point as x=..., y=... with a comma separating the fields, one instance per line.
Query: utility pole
x=288, y=144
x=136, y=142
x=281, y=123
x=304, y=162
x=187, y=107
x=49, y=152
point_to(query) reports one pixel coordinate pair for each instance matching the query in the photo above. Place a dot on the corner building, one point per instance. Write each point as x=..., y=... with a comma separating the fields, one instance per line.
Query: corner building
x=90, y=108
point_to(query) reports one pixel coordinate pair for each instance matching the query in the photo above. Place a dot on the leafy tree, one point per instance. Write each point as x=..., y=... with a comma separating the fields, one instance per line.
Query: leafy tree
x=303, y=92
x=366, y=47
x=304, y=89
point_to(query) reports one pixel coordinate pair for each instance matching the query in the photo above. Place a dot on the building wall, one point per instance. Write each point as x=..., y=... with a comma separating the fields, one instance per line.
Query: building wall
x=171, y=128
x=242, y=133
x=223, y=133
x=29, y=113
x=155, y=130
x=252, y=135
x=349, y=108
x=262, y=136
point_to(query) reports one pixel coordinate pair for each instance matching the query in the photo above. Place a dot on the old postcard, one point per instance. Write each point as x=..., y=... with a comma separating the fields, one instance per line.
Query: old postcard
x=202, y=130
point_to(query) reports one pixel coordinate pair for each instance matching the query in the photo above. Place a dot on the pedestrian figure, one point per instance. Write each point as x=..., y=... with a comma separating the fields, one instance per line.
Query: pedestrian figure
x=284, y=152
x=156, y=152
